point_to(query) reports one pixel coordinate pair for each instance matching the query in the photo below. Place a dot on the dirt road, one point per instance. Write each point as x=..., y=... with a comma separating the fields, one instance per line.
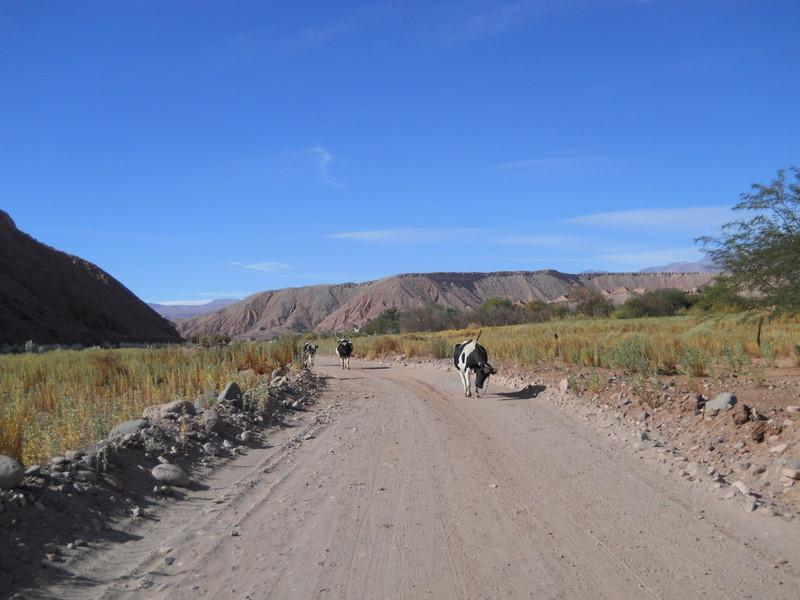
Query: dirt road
x=412, y=491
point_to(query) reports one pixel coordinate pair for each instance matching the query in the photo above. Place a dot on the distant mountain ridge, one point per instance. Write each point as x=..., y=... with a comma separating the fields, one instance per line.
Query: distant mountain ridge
x=52, y=297
x=702, y=266
x=185, y=311
x=339, y=307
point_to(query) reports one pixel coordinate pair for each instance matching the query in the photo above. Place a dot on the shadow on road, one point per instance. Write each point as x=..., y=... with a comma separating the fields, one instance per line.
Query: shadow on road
x=527, y=393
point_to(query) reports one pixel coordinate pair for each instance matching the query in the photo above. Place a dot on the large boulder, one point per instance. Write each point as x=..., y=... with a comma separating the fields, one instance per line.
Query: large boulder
x=11, y=472
x=127, y=427
x=171, y=475
x=232, y=393
x=169, y=410
x=212, y=421
x=720, y=402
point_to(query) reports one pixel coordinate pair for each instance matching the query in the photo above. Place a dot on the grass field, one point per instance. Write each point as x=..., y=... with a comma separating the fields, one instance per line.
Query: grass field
x=690, y=344
x=65, y=399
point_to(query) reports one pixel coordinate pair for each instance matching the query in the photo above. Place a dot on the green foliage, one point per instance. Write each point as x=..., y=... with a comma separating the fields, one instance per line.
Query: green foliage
x=763, y=253
x=386, y=322
x=733, y=358
x=630, y=355
x=592, y=303
x=719, y=297
x=497, y=311
x=431, y=318
x=656, y=303
x=695, y=362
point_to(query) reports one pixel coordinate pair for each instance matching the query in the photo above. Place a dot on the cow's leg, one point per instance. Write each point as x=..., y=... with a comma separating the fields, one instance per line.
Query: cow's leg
x=463, y=378
x=468, y=375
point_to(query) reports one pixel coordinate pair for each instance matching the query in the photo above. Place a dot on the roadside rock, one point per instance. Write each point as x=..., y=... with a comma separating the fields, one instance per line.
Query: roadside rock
x=720, y=402
x=759, y=432
x=73, y=455
x=169, y=410
x=743, y=489
x=11, y=472
x=790, y=473
x=171, y=475
x=699, y=403
x=231, y=392
x=741, y=414
x=212, y=421
x=128, y=428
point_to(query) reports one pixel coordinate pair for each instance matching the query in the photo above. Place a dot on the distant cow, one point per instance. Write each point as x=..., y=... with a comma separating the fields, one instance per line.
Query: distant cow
x=309, y=350
x=344, y=348
x=470, y=357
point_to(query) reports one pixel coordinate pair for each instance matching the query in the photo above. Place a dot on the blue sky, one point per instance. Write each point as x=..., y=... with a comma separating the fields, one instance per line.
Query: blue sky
x=214, y=149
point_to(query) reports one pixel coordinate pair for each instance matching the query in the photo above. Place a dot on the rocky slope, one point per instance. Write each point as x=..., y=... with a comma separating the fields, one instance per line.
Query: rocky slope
x=339, y=307
x=55, y=298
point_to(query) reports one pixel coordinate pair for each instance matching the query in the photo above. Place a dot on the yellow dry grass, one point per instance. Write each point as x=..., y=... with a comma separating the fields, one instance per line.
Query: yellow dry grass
x=665, y=344
x=65, y=399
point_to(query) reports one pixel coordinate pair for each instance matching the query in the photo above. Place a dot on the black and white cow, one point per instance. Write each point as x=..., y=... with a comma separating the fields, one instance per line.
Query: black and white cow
x=309, y=350
x=344, y=348
x=470, y=357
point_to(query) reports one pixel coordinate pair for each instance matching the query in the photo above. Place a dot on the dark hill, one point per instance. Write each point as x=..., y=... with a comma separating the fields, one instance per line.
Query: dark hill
x=55, y=298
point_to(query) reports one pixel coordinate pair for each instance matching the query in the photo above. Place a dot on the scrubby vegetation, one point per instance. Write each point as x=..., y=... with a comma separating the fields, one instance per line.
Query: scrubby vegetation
x=585, y=302
x=691, y=344
x=762, y=254
x=64, y=399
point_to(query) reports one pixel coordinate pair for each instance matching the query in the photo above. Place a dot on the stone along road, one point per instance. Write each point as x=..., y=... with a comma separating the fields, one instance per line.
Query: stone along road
x=410, y=490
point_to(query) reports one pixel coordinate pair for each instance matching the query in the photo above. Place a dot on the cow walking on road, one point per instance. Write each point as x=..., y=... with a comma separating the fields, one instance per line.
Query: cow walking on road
x=344, y=348
x=309, y=351
x=470, y=357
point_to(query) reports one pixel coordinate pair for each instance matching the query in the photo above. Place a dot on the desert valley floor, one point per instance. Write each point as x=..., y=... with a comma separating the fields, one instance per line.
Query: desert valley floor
x=396, y=486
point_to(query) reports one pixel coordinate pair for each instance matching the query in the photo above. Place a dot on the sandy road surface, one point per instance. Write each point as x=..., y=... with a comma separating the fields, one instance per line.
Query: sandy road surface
x=412, y=491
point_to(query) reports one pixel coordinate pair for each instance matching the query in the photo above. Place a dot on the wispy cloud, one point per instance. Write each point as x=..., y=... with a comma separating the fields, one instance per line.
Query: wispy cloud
x=315, y=36
x=405, y=236
x=543, y=241
x=488, y=19
x=266, y=267
x=694, y=217
x=542, y=163
x=324, y=160
x=571, y=163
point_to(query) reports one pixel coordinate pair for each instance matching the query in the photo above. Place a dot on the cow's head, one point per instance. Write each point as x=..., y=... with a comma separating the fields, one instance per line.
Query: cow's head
x=482, y=374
